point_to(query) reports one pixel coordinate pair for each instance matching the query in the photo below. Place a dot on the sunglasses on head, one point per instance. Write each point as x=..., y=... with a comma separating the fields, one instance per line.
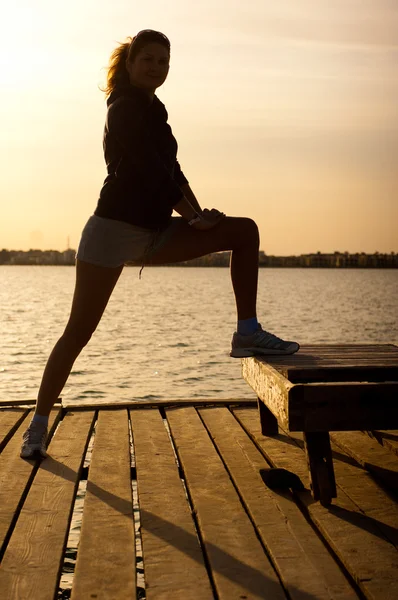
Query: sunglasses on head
x=143, y=31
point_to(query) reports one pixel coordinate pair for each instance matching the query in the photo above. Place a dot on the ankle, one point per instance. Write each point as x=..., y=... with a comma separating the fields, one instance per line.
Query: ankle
x=247, y=326
x=40, y=419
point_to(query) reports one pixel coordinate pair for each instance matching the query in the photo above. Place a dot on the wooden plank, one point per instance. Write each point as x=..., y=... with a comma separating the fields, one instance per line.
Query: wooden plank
x=362, y=345
x=173, y=561
x=323, y=406
x=371, y=455
x=140, y=404
x=10, y=403
x=338, y=363
x=235, y=555
x=107, y=516
x=347, y=348
x=343, y=407
x=311, y=359
x=296, y=374
x=357, y=540
x=15, y=477
x=310, y=352
x=10, y=420
x=302, y=561
x=388, y=439
x=34, y=555
x=364, y=492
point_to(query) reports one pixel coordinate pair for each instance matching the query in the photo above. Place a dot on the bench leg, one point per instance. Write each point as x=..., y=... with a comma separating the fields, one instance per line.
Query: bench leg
x=320, y=465
x=269, y=423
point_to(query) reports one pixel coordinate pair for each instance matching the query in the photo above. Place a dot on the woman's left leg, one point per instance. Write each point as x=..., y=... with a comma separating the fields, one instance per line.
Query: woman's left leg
x=238, y=234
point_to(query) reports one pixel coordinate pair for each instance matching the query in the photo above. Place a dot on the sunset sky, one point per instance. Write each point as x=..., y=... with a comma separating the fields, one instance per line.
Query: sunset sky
x=285, y=112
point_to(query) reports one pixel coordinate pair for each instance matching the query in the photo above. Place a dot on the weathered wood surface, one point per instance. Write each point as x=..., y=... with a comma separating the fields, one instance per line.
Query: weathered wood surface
x=364, y=542
x=270, y=387
x=343, y=406
x=289, y=539
x=9, y=403
x=232, y=536
x=371, y=499
x=236, y=558
x=379, y=461
x=140, y=404
x=34, y=554
x=338, y=362
x=9, y=423
x=329, y=405
x=16, y=474
x=388, y=439
x=105, y=566
x=173, y=560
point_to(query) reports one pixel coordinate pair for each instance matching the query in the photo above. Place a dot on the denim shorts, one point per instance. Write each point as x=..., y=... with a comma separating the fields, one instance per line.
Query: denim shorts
x=111, y=243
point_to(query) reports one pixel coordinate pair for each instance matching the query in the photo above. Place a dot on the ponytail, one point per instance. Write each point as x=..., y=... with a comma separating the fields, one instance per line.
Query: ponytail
x=126, y=52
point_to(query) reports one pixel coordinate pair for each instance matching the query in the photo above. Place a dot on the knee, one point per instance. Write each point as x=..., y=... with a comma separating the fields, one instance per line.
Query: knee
x=250, y=231
x=76, y=338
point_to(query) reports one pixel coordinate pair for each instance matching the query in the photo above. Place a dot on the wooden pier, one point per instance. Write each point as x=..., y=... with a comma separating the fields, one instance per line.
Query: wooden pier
x=210, y=527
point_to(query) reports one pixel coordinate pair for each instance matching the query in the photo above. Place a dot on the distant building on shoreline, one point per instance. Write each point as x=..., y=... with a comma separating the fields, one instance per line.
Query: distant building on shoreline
x=37, y=257
x=337, y=260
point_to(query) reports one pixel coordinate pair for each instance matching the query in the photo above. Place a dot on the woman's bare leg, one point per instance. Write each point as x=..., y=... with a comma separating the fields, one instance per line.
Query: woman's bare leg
x=238, y=234
x=94, y=286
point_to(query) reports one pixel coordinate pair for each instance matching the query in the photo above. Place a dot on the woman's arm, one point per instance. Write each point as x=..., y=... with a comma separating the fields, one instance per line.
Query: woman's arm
x=190, y=196
x=185, y=209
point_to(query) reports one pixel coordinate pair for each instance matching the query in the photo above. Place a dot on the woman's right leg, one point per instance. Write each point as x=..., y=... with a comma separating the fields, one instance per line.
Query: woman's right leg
x=94, y=286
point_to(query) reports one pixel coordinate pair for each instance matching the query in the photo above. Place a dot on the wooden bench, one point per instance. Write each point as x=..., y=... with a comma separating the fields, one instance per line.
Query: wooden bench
x=323, y=388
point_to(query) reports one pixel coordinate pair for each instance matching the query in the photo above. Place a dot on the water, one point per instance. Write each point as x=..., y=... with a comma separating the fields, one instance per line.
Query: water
x=167, y=336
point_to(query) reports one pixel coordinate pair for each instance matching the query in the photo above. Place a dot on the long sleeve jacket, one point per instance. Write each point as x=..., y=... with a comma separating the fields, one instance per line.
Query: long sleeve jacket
x=144, y=176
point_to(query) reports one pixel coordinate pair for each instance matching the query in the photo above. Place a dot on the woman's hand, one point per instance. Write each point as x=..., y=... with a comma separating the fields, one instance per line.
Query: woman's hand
x=209, y=219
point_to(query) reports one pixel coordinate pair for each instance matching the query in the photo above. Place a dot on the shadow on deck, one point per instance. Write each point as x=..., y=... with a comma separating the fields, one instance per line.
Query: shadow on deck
x=209, y=526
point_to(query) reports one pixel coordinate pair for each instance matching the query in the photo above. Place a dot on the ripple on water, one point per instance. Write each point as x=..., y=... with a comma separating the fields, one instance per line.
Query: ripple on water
x=312, y=306
x=92, y=393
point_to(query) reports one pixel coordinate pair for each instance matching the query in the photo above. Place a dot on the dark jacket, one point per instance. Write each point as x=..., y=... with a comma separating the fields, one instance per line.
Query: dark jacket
x=144, y=177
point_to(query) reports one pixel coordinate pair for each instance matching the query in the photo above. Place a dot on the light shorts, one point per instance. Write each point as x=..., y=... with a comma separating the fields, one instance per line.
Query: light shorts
x=111, y=243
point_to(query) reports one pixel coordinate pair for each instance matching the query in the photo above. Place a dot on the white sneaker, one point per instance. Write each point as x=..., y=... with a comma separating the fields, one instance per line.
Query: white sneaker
x=260, y=343
x=34, y=441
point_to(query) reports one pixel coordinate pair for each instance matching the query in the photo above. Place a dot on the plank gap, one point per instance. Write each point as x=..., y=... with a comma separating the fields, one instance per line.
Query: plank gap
x=15, y=517
x=11, y=420
x=75, y=524
x=191, y=508
x=53, y=425
x=244, y=505
x=139, y=557
x=302, y=505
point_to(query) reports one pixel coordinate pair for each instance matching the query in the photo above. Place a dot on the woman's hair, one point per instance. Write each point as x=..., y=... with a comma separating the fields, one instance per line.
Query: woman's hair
x=126, y=52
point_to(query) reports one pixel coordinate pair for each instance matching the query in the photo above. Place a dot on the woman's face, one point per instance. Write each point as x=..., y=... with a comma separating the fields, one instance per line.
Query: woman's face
x=150, y=67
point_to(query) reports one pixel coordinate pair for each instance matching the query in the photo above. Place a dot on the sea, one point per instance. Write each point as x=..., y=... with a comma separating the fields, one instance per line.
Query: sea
x=168, y=336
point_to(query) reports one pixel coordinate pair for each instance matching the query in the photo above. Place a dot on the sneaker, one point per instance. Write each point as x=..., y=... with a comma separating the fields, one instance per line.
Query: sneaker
x=260, y=343
x=34, y=442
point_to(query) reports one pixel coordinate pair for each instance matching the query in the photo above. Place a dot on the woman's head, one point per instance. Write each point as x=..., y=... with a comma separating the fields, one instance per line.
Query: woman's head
x=142, y=61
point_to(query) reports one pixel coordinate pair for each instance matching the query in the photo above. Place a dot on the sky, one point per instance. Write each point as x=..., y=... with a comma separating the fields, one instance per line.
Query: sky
x=285, y=112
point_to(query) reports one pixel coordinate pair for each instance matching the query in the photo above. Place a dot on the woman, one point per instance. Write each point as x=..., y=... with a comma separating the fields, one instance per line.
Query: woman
x=133, y=222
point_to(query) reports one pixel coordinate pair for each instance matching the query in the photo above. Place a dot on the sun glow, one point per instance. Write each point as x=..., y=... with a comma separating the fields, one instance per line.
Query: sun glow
x=278, y=111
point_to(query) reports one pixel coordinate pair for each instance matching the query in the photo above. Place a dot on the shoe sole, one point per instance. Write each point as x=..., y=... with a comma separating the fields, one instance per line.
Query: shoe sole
x=33, y=455
x=247, y=352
